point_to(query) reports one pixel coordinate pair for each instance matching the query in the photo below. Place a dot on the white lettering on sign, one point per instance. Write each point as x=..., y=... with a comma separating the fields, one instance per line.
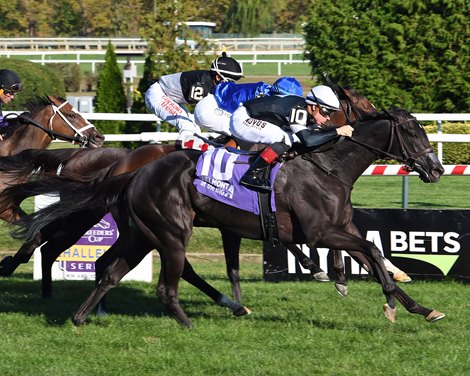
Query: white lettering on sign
x=415, y=241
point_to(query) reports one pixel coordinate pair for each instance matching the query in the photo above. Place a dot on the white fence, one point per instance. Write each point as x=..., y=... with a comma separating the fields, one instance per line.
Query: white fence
x=439, y=137
x=280, y=58
x=138, y=45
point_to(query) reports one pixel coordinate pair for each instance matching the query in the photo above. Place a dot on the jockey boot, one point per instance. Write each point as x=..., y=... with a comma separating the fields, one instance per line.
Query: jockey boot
x=255, y=178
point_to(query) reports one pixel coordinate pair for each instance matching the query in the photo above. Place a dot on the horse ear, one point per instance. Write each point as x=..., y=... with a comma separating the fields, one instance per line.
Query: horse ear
x=52, y=99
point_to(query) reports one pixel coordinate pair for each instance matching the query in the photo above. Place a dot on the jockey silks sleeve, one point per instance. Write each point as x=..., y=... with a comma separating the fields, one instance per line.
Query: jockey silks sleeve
x=187, y=87
x=229, y=95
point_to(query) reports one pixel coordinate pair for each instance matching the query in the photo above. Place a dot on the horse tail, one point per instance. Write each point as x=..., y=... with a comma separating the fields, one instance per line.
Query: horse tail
x=74, y=197
x=30, y=162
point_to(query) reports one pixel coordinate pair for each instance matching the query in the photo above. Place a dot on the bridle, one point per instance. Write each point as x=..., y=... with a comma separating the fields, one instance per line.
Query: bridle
x=407, y=158
x=78, y=137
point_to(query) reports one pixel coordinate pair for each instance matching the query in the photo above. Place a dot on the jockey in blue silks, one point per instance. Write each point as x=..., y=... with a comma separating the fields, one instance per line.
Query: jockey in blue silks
x=214, y=111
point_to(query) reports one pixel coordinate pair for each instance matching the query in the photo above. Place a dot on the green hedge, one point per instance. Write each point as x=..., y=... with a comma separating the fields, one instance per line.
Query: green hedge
x=453, y=152
x=38, y=80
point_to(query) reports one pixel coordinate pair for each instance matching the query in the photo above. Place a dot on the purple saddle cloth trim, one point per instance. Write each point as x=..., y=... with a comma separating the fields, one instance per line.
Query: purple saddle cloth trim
x=218, y=173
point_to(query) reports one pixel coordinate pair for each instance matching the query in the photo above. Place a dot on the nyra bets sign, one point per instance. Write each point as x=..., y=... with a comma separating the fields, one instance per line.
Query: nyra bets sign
x=430, y=244
x=78, y=261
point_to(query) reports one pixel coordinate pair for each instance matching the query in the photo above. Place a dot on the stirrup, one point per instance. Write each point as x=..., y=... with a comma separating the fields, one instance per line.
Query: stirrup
x=256, y=184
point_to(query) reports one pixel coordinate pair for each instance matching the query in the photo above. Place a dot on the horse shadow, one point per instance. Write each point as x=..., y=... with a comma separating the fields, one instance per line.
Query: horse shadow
x=23, y=295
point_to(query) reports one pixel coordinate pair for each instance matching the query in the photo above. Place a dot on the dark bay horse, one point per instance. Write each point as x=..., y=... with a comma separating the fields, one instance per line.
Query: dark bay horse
x=354, y=106
x=48, y=119
x=157, y=204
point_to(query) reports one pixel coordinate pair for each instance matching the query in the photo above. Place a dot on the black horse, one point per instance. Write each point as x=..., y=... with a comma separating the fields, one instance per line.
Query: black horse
x=157, y=204
x=87, y=164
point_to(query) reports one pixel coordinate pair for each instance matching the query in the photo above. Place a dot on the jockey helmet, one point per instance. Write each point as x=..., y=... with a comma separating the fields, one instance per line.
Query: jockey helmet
x=287, y=86
x=227, y=68
x=323, y=97
x=10, y=81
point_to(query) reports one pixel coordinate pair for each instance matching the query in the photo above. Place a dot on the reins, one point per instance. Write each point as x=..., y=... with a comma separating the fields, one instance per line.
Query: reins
x=78, y=138
x=405, y=156
x=328, y=172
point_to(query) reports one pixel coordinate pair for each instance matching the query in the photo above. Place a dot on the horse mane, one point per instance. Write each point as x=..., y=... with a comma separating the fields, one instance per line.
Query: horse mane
x=34, y=106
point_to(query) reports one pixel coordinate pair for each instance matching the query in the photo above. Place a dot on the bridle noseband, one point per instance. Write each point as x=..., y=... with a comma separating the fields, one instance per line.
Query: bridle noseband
x=78, y=137
x=406, y=157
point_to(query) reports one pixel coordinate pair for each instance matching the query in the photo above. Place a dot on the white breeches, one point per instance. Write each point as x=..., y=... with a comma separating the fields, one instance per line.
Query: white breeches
x=169, y=111
x=210, y=116
x=253, y=130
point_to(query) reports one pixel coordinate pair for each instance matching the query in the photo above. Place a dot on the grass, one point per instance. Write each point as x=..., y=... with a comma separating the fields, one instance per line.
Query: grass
x=296, y=328
x=259, y=69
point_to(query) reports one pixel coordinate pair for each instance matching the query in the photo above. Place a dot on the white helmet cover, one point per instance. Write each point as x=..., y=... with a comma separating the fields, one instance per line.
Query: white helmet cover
x=323, y=96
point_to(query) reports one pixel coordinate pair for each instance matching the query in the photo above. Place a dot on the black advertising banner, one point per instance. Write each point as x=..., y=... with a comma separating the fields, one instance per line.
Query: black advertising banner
x=426, y=244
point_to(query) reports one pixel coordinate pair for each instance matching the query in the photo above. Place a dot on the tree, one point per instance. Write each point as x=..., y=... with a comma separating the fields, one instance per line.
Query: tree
x=110, y=95
x=251, y=17
x=411, y=54
x=67, y=20
x=12, y=20
x=38, y=81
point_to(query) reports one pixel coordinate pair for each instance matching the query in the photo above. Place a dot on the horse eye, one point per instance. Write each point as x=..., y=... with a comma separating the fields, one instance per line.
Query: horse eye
x=71, y=115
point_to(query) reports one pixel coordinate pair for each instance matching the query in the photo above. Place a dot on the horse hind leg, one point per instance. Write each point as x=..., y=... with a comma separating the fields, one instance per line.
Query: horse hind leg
x=341, y=283
x=231, y=245
x=190, y=275
x=111, y=277
x=172, y=266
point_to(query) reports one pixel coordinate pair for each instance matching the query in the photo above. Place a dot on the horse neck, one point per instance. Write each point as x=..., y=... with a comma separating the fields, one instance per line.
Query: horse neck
x=347, y=160
x=26, y=137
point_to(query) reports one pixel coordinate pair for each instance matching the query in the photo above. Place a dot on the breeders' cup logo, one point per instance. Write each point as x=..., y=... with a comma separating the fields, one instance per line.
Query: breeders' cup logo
x=100, y=232
x=103, y=233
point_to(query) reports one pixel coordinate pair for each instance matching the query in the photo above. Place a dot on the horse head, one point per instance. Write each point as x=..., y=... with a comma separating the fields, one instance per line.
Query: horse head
x=353, y=107
x=68, y=123
x=410, y=142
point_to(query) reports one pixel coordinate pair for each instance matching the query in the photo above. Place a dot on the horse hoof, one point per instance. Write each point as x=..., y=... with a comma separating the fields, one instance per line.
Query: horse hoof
x=242, y=311
x=401, y=277
x=390, y=313
x=77, y=322
x=321, y=277
x=435, y=316
x=341, y=289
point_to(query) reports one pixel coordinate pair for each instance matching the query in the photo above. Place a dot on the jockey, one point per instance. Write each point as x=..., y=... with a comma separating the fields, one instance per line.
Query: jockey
x=280, y=121
x=214, y=111
x=165, y=97
x=10, y=84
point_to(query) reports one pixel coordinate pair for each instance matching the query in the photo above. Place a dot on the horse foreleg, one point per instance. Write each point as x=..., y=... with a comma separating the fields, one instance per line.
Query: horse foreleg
x=231, y=245
x=407, y=302
x=59, y=238
x=308, y=263
x=341, y=283
x=222, y=300
x=337, y=239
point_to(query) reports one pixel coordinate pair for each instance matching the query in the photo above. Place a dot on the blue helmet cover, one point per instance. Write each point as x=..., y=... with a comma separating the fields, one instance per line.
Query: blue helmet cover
x=287, y=86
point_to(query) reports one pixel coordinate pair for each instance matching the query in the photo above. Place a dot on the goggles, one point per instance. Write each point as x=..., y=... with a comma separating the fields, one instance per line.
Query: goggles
x=11, y=90
x=325, y=111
